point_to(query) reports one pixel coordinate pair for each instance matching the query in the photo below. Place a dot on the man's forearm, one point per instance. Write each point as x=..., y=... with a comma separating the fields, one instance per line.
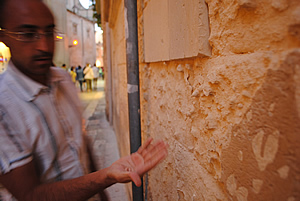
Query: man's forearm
x=78, y=189
x=23, y=182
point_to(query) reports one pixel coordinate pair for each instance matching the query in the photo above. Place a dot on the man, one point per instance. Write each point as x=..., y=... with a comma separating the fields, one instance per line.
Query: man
x=43, y=155
x=96, y=75
x=64, y=67
x=88, y=76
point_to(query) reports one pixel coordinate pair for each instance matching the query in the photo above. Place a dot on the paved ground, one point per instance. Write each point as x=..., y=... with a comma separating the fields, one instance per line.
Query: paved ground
x=102, y=136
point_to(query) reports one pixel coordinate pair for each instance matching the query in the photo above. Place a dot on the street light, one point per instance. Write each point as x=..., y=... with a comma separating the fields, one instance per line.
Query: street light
x=74, y=43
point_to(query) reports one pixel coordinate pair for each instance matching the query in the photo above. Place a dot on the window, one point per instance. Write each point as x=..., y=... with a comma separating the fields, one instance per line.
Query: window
x=88, y=33
x=74, y=28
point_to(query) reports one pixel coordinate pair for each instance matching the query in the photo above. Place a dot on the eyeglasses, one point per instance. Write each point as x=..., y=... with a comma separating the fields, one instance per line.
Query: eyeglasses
x=32, y=36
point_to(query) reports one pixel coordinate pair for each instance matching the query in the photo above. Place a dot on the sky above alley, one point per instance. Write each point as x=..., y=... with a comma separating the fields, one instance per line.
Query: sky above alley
x=85, y=3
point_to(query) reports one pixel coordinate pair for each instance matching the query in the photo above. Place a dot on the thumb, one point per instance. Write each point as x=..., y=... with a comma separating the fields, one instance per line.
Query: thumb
x=135, y=178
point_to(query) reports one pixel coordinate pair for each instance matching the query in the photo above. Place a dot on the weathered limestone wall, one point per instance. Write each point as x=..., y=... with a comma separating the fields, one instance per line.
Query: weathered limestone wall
x=119, y=104
x=119, y=78
x=232, y=120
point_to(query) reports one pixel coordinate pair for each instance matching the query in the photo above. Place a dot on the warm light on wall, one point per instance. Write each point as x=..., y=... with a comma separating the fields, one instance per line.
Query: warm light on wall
x=98, y=63
x=75, y=42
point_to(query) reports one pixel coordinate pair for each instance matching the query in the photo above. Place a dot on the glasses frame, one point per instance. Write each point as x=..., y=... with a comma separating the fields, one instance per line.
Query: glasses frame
x=36, y=35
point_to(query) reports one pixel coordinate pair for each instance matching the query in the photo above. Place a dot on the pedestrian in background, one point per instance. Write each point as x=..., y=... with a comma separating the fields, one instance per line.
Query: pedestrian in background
x=80, y=77
x=73, y=74
x=101, y=73
x=64, y=67
x=96, y=75
x=88, y=76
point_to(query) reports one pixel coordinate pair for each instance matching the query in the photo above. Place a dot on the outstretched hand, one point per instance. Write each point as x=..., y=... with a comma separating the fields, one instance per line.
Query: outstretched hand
x=133, y=167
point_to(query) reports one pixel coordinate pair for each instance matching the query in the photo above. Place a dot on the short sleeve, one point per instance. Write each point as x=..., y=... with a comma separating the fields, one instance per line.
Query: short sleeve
x=13, y=151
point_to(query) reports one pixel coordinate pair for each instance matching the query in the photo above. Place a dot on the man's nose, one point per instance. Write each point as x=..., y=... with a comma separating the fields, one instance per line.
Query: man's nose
x=44, y=43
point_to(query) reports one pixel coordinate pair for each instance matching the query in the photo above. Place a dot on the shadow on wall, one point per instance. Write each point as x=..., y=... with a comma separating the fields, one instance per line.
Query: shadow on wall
x=263, y=158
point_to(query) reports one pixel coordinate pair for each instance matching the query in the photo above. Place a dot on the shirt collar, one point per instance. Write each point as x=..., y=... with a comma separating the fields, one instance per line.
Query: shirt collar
x=29, y=88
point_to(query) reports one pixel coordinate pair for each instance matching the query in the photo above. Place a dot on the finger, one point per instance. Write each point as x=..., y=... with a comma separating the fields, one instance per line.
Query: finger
x=154, y=160
x=156, y=149
x=145, y=151
x=145, y=145
x=150, y=148
x=156, y=157
x=135, y=179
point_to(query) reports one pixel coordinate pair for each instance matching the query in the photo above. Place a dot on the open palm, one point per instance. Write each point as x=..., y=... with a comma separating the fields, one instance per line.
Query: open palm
x=133, y=167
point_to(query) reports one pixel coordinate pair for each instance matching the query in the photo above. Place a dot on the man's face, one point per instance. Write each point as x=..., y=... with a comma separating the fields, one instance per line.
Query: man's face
x=32, y=58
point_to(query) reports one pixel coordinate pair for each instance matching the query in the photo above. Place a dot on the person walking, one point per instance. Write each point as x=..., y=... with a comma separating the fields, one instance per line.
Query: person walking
x=80, y=77
x=96, y=75
x=88, y=76
x=64, y=67
x=101, y=73
x=44, y=154
x=73, y=74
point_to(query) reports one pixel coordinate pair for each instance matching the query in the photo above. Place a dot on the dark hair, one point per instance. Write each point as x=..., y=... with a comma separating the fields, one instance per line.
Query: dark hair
x=2, y=15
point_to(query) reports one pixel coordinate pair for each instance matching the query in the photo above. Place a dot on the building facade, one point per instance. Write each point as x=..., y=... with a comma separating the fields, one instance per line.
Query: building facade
x=220, y=83
x=83, y=31
x=74, y=22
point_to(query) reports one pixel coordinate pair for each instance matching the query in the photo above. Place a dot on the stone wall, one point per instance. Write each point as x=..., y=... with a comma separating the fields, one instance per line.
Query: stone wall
x=118, y=79
x=231, y=119
x=119, y=83
x=230, y=112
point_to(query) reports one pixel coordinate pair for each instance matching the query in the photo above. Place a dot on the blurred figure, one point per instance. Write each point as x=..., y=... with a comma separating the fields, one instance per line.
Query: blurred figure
x=64, y=67
x=80, y=77
x=73, y=74
x=101, y=73
x=88, y=76
x=96, y=75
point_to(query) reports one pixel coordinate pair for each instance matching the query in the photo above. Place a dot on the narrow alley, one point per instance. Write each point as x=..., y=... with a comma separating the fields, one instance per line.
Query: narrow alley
x=102, y=136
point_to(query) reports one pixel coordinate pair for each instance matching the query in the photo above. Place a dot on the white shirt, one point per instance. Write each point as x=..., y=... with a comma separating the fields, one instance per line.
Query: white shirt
x=89, y=74
x=43, y=124
x=95, y=71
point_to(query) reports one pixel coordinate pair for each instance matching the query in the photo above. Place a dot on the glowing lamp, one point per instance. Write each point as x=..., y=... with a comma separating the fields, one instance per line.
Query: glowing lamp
x=98, y=63
x=75, y=42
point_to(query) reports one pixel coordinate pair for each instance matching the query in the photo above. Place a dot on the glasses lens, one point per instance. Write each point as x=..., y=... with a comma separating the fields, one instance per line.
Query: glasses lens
x=34, y=36
x=28, y=37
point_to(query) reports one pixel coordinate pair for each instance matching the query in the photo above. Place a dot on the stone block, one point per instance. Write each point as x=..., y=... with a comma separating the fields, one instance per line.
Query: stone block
x=175, y=29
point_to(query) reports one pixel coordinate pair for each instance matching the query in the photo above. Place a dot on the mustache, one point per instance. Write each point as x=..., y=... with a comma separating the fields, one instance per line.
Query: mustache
x=43, y=55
